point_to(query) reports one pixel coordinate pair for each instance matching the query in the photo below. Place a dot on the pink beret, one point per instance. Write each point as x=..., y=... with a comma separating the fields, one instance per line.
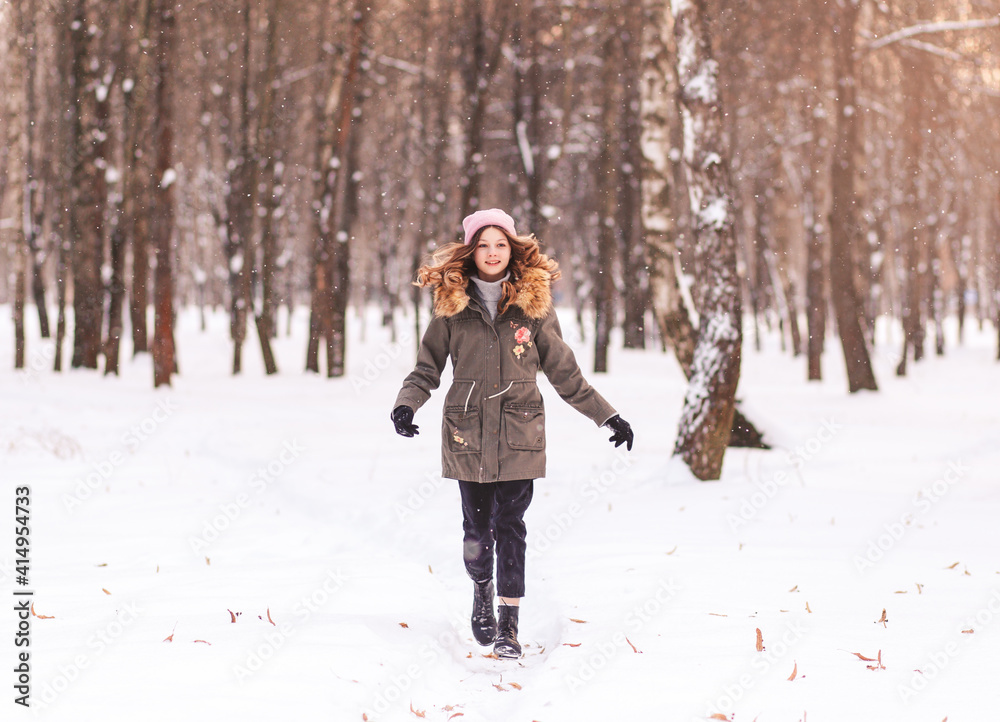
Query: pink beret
x=488, y=217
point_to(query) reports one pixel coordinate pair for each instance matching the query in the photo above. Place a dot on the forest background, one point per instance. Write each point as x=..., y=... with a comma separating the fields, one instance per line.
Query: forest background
x=252, y=155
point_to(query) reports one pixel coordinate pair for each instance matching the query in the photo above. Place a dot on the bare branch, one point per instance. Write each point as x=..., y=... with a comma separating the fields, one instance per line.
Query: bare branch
x=936, y=27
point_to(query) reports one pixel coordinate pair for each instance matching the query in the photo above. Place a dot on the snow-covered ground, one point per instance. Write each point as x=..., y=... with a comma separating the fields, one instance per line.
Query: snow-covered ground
x=262, y=548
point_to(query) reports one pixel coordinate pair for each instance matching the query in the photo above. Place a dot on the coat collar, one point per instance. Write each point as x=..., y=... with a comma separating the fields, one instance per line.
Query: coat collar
x=534, y=296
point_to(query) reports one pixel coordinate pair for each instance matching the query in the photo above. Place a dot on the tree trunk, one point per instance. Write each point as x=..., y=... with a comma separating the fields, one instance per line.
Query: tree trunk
x=815, y=288
x=482, y=41
x=635, y=290
x=239, y=206
x=20, y=261
x=606, y=184
x=843, y=213
x=123, y=209
x=88, y=192
x=164, y=358
x=659, y=112
x=814, y=198
x=116, y=298
x=141, y=183
x=528, y=116
x=32, y=211
x=269, y=162
x=269, y=172
x=61, y=273
x=658, y=92
x=707, y=416
x=333, y=131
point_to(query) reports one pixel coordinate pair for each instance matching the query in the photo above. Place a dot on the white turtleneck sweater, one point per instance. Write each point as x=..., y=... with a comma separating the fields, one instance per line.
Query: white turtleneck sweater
x=490, y=293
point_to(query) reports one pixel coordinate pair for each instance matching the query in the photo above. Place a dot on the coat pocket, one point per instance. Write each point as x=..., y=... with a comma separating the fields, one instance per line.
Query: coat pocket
x=462, y=430
x=525, y=427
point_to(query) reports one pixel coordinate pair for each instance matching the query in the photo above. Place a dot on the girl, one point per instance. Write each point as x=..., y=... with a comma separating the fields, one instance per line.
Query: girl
x=493, y=316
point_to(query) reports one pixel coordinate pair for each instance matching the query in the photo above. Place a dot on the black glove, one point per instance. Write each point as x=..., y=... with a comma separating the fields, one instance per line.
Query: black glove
x=623, y=432
x=402, y=418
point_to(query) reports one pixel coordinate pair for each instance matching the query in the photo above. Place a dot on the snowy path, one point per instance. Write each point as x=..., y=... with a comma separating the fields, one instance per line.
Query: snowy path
x=166, y=514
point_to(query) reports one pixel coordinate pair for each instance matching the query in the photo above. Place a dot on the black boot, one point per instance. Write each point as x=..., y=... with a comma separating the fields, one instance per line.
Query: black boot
x=484, y=624
x=507, y=646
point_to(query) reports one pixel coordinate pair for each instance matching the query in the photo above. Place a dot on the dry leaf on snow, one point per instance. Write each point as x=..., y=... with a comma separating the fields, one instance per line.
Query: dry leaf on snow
x=404, y=625
x=968, y=631
x=572, y=644
x=882, y=620
x=578, y=621
x=417, y=712
x=719, y=715
x=632, y=646
x=40, y=616
x=795, y=672
x=105, y=590
x=760, y=641
x=878, y=664
x=953, y=566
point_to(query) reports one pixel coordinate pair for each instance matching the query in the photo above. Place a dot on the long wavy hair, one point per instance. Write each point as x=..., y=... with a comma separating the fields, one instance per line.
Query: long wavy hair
x=451, y=266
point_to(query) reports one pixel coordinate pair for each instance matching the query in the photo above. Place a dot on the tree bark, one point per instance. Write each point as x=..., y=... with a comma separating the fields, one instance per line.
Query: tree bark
x=32, y=210
x=270, y=167
x=635, y=291
x=659, y=89
x=239, y=207
x=844, y=212
x=659, y=111
x=707, y=416
x=164, y=358
x=335, y=110
x=481, y=60
x=606, y=184
x=120, y=207
x=89, y=196
x=141, y=183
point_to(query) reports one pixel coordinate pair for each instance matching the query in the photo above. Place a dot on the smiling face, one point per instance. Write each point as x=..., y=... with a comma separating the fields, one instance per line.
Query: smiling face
x=492, y=254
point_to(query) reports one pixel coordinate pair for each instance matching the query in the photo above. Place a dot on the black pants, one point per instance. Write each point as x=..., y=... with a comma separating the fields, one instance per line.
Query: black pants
x=493, y=517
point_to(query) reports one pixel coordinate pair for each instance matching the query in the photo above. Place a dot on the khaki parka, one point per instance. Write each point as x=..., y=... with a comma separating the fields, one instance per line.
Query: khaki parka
x=494, y=419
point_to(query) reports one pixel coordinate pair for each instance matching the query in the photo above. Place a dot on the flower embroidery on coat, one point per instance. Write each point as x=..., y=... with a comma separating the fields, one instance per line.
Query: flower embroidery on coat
x=523, y=338
x=458, y=439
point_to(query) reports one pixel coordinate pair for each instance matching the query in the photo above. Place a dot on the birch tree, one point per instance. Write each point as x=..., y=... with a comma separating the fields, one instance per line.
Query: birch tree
x=707, y=415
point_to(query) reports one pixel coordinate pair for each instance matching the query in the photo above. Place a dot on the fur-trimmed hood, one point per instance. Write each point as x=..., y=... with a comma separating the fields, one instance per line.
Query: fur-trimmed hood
x=534, y=295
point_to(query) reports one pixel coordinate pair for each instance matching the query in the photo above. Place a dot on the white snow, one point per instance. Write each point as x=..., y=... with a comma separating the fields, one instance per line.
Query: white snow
x=527, y=157
x=714, y=214
x=703, y=86
x=169, y=176
x=164, y=515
